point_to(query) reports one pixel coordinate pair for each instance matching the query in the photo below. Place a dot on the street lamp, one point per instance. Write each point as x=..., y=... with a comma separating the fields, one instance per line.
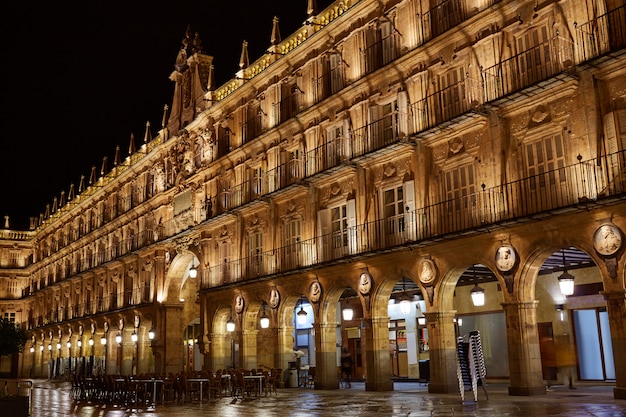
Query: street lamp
x=265, y=320
x=230, y=328
x=301, y=314
x=566, y=280
x=193, y=271
x=230, y=325
x=477, y=293
x=405, y=300
x=103, y=342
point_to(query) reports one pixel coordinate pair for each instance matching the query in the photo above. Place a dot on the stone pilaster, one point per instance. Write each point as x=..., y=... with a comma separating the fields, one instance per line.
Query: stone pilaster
x=442, y=352
x=249, y=349
x=326, y=356
x=524, y=353
x=616, y=309
x=172, y=346
x=378, y=365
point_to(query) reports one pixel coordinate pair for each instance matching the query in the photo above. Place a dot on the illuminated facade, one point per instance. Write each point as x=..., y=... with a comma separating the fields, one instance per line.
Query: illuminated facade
x=386, y=150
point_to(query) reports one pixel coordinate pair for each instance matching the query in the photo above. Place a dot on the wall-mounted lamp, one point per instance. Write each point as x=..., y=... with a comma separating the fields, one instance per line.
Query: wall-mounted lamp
x=301, y=314
x=151, y=334
x=405, y=301
x=265, y=320
x=103, y=339
x=421, y=321
x=134, y=337
x=193, y=271
x=91, y=341
x=347, y=312
x=79, y=343
x=68, y=344
x=58, y=345
x=50, y=347
x=477, y=293
x=32, y=349
x=230, y=324
x=559, y=309
x=118, y=337
x=41, y=348
x=566, y=280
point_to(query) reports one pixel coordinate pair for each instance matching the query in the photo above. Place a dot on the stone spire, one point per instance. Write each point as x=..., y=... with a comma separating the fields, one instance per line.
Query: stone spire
x=117, y=160
x=81, y=184
x=131, y=146
x=164, y=121
x=311, y=8
x=103, y=170
x=70, y=195
x=243, y=61
x=211, y=84
x=62, y=199
x=55, y=205
x=92, y=177
x=275, y=39
x=147, y=137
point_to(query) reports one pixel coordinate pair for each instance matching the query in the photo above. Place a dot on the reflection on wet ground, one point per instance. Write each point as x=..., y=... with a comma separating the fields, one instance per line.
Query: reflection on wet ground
x=51, y=398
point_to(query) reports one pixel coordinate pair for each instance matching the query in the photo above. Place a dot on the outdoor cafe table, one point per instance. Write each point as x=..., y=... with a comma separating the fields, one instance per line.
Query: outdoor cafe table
x=145, y=383
x=201, y=381
x=258, y=381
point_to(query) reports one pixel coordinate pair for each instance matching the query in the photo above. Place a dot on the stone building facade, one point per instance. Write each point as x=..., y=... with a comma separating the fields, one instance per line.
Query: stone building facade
x=386, y=149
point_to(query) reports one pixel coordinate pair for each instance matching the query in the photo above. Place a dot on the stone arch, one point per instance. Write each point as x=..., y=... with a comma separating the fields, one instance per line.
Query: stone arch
x=177, y=278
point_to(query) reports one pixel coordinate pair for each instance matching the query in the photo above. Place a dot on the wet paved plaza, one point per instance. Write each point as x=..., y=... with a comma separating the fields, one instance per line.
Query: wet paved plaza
x=52, y=399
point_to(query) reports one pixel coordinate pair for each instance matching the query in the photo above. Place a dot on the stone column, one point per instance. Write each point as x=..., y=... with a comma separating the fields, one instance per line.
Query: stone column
x=171, y=345
x=442, y=351
x=249, y=349
x=326, y=355
x=378, y=365
x=524, y=355
x=616, y=309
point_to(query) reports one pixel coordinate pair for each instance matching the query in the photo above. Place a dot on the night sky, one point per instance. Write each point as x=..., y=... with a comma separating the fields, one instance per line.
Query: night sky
x=79, y=80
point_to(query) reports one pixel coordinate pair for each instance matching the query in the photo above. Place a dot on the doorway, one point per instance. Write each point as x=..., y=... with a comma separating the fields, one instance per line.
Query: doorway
x=593, y=345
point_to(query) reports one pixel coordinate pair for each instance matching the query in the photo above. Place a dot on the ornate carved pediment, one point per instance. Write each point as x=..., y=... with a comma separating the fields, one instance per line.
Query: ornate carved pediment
x=183, y=243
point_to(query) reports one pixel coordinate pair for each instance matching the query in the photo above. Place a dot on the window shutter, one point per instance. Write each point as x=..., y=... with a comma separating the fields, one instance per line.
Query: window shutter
x=323, y=231
x=352, y=242
x=409, y=210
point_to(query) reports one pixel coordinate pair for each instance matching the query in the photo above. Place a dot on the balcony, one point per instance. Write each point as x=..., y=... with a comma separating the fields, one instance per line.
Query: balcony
x=572, y=187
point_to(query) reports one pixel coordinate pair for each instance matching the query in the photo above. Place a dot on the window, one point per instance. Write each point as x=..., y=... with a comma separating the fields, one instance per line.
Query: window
x=334, y=146
x=336, y=72
x=255, y=253
x=543, y=158
x=293, y=166
x=337, y=231
x=453, y=94
x=290, y=97
x=393, y=210
x=398, y=212
x=615, y=134
x=546, y=186
x=256, y=181
x=460, y=188
x=224, y=259
x=10, y=317
x=293, y=244
x=534, y=56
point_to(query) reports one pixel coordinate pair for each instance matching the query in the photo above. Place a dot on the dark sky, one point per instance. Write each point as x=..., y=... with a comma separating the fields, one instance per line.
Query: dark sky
x=78, y=80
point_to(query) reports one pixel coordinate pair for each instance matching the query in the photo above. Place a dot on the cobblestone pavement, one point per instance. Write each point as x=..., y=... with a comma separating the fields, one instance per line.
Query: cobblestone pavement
x=52, y=399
